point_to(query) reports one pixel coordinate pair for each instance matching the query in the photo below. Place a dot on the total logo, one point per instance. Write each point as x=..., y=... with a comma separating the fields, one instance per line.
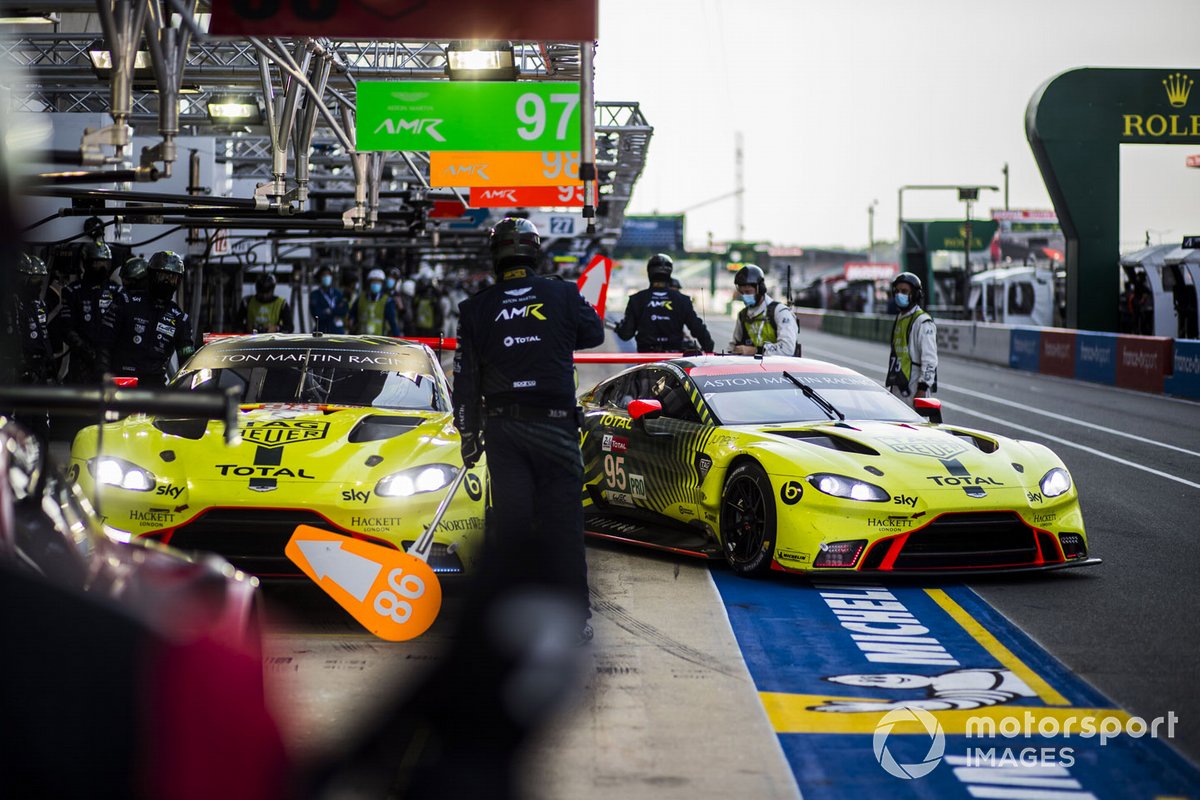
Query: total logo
x=509, y=341
x=524, y=312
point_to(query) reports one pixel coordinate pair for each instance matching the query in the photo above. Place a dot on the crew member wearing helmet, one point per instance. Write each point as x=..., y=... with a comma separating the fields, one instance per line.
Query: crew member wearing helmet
x=85, y=302
x=912, y=367
x=264, y=311
x=327, y=304
x=514, y=389
x=142, y=330
x=25, y=319
x=375, y=312
x=135, y=275
x=656, y=316
x=764, y=326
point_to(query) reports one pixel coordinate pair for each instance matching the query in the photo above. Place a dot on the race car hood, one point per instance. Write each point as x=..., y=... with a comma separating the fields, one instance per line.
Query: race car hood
x=283, y=443
x=919, y=457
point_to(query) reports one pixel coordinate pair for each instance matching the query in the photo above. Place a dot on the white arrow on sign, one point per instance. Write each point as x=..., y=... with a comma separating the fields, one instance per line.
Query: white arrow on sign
x=352, y=572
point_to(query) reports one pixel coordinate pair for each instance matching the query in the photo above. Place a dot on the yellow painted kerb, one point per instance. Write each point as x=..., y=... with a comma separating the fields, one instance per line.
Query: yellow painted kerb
x=1049, y=695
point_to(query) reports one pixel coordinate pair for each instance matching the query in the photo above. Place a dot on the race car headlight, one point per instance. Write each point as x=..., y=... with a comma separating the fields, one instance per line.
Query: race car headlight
x=119, y=472
x=1055, y=482
x=848, y=488
x=417, y=480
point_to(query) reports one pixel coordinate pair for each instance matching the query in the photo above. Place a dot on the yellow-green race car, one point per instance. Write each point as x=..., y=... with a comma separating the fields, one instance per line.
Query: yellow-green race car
x=798, y=465
x=352, y=434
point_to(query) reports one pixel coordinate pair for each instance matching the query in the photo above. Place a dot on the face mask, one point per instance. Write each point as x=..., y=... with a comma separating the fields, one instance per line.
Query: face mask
x=327, y=281
x=749, y=299
x=903, y=300
x=390, y=283
x=376, y=287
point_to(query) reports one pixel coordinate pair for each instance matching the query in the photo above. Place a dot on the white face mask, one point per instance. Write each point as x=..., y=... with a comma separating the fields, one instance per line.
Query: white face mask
x=749, y=299
x=903, y=300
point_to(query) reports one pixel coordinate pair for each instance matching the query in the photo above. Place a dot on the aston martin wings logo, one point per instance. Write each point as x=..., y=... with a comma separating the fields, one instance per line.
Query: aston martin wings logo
x=921, y=447
x=277, y=433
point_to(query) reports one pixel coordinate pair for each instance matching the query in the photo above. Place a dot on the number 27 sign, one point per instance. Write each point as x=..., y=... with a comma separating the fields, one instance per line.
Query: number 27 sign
x=467, y=115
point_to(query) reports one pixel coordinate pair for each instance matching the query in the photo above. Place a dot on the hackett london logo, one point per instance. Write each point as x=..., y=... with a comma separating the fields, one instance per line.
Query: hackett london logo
x=1178, y=88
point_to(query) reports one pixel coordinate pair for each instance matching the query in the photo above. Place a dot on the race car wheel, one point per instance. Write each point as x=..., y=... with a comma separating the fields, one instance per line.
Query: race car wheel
x=748, y=520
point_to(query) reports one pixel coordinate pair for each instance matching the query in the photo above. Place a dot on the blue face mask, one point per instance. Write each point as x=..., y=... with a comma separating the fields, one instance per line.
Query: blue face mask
x=327, y=281
x=902, y=300
x=749, y=299
x=376, y=287
x=390, y=283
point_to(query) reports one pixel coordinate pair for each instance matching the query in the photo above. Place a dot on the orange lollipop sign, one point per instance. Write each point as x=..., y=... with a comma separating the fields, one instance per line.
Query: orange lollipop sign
x=393, y=594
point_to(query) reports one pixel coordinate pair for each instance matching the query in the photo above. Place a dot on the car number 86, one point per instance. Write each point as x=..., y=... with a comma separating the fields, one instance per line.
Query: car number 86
x=395, y=604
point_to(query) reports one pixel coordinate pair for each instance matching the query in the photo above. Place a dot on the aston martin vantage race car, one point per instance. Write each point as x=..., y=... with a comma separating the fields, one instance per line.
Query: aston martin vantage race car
x=350, y=434
x=799, y=465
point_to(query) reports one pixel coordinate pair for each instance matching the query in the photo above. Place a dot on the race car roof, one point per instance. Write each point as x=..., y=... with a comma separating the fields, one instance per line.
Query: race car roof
x=361, y=352
x=729, y=365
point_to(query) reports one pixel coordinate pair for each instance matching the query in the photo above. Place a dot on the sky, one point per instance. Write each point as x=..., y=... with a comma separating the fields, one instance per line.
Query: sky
x=841, y=102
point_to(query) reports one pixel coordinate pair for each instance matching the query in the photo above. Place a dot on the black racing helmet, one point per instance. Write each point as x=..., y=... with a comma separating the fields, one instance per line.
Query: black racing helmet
x=751, y=275
x=265, y=284
x=659, y=267
x=166, y=261
x=32, y=267
x=134, y=271
x=96, y=257
x=95, y=251
x=912, y=280
x=515, y=242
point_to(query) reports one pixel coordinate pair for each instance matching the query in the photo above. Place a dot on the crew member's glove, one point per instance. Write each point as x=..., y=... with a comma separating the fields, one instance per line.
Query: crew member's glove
x=472, y=448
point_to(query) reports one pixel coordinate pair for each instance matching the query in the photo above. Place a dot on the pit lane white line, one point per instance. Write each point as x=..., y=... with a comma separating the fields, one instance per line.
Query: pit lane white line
x=1030, y=409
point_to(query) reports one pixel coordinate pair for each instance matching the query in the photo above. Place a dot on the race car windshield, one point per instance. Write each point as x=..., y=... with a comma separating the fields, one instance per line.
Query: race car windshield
x=765, y=398
x=320, y=384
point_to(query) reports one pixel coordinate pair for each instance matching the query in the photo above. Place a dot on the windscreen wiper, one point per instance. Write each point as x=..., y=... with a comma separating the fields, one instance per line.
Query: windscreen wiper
x=811, y=393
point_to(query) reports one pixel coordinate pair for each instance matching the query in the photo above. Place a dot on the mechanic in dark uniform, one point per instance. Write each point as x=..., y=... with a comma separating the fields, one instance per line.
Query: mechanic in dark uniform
x=512, y=662
x=327, y=305
x=264, y=311
x=514, y=389
x=143, y=329
x=657, y=315
x=25, y=320
x=85, y=302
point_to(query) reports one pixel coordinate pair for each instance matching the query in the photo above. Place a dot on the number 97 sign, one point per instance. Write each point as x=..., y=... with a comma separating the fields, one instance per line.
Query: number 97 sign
x=394, y=595
x=467, y=115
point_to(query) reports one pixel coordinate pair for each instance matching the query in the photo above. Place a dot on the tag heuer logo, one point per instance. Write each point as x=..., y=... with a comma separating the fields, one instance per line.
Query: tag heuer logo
x=277, y=433
x=942, y=450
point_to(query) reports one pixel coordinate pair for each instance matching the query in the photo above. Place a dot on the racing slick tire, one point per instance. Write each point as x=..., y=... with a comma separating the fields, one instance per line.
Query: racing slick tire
x=748, y=520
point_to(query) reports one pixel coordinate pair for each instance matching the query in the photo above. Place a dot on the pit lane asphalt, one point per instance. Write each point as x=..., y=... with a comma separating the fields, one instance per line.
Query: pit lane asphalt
x=1130, y=626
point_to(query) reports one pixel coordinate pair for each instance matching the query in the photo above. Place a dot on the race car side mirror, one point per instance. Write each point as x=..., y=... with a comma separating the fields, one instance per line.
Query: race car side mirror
x=125, y=383
x=929, y=408
x=645, y=409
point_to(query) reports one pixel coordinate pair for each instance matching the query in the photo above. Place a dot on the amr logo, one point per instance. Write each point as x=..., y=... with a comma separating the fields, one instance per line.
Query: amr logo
x=479, y=170
x=500, y=194
x=415, y=126
x=524, y=312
